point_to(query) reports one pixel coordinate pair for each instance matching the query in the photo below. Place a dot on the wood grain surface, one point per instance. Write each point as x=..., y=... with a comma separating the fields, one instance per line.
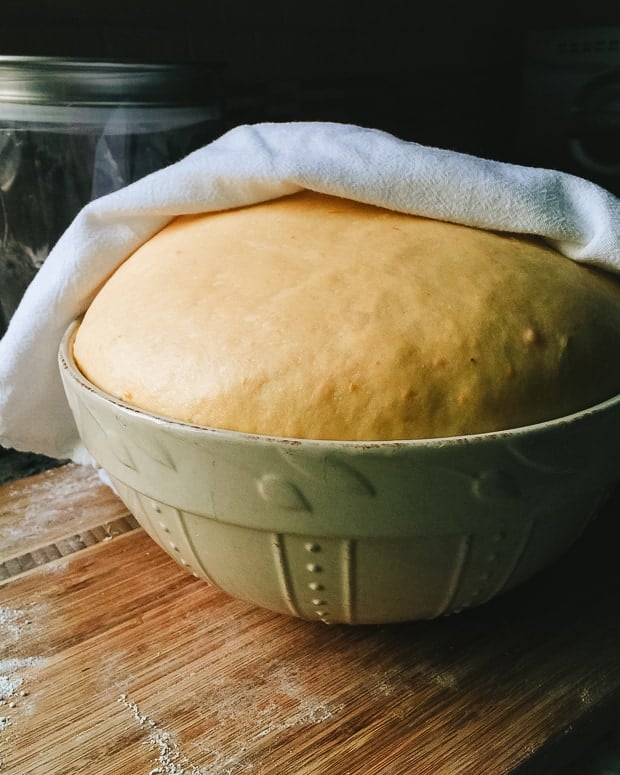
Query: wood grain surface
x=115, y=661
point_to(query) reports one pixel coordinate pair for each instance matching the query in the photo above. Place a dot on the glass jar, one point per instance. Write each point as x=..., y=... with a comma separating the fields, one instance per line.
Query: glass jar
x=72, y=130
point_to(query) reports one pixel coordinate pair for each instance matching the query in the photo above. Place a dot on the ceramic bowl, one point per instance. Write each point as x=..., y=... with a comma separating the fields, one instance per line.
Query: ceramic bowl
x=353, y=532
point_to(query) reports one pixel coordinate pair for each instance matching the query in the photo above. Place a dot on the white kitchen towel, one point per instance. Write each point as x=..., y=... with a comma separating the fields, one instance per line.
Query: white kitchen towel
x=258, y=162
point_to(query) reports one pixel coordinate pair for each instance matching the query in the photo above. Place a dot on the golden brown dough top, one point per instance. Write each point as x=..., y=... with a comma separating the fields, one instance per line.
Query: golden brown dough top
x=314, y=316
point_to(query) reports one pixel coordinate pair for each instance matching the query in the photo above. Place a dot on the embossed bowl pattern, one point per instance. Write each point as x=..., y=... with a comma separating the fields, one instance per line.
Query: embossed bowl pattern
x=350, y=532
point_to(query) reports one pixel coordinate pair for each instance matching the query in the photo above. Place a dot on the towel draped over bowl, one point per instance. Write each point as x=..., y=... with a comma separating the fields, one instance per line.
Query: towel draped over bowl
x=253, y=163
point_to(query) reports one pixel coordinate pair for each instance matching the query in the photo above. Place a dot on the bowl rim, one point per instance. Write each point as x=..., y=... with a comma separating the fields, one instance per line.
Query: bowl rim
x=69, y=367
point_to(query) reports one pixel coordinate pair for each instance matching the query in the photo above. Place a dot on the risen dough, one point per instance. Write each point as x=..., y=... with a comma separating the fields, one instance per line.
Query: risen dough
x=314, y=316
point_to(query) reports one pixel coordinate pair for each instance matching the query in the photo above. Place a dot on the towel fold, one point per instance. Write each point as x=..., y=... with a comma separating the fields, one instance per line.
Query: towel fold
x=258, y=162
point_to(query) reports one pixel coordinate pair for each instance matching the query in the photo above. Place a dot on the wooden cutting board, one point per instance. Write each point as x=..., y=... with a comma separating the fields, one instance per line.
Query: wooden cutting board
x=115, y=661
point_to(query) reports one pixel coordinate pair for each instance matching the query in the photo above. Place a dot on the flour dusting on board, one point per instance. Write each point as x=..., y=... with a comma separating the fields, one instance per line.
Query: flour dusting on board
x=11, y=621
x=243, y=702
x=11, y=679
x=171, y=761
x=14, y=693
x=45, y=488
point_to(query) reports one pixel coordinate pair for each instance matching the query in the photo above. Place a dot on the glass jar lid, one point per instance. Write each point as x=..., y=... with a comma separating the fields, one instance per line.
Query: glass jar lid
x=43, y=80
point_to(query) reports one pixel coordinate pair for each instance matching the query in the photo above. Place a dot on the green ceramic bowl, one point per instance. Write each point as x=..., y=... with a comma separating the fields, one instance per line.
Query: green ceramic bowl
x=353, y=532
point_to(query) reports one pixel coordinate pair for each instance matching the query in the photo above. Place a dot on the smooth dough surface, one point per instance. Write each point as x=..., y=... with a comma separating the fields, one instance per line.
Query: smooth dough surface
x=316, y=317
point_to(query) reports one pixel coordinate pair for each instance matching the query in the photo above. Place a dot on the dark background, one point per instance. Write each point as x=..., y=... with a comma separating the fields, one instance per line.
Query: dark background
x=505, y=81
